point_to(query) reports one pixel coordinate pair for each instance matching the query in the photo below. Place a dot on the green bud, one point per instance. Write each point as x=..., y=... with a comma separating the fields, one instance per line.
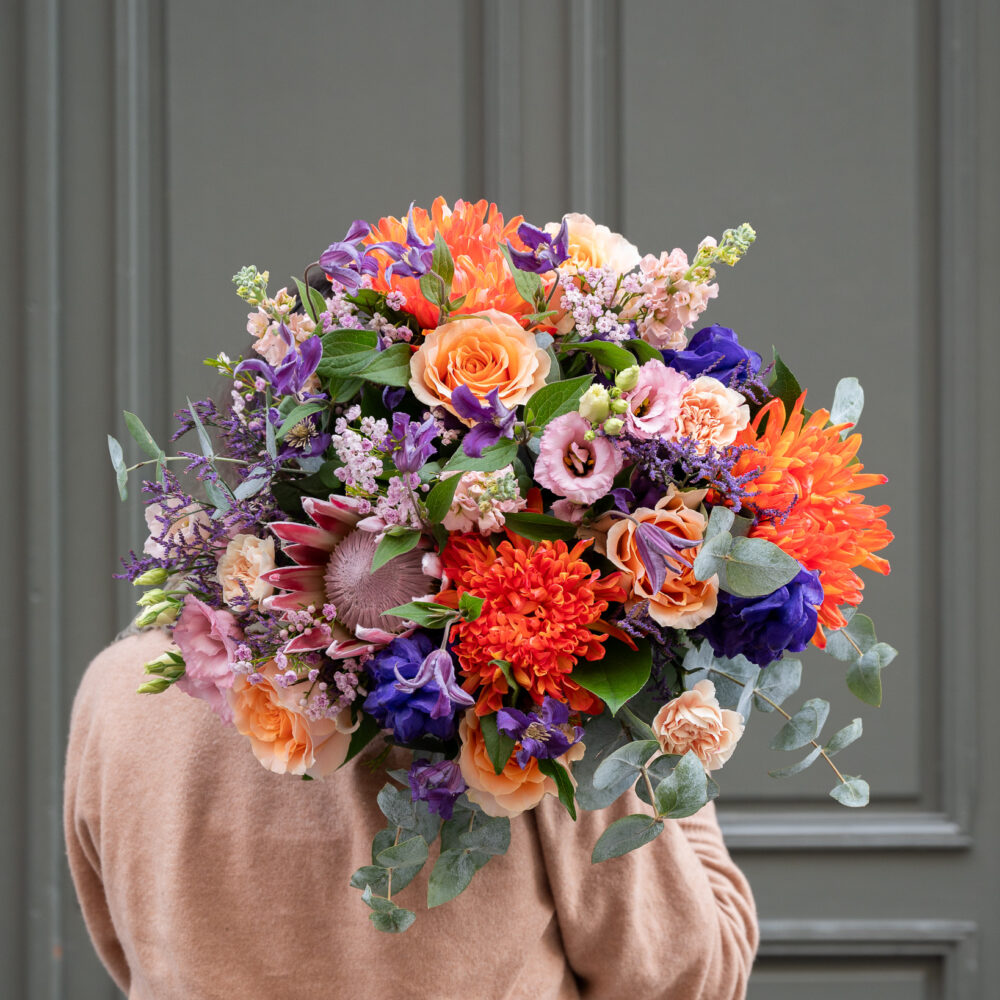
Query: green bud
x=159, y=614
x=251, y=285
x=153, y=687
x=151, y=578
x=613, y=426
x=627, y=379
x=595, y=404
x=619, y=406
x=589, y=436
x=155, y=596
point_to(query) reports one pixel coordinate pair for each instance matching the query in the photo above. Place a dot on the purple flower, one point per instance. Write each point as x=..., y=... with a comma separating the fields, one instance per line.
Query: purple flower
x=439, y=785
x=763, y=628
x=292, y=373
x=410, y=260
x=543, y=735
x=660, y=550
x=492, y=420
x=437, y=668
x=411, y=444
x=547, y=251
x=715, y=351
x=306, y=439
x=345, y=261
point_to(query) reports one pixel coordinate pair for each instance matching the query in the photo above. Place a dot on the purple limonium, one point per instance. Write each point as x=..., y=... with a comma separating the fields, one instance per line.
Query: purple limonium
x=543, y=735
x=492, y=419
x=439, y=785
x=345, y=261
x=438, y=667
x=411, y=444
x=547, y=251
x=294, y=370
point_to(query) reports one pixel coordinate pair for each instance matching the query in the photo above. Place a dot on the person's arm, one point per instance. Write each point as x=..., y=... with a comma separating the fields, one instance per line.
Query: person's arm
x=674, y=919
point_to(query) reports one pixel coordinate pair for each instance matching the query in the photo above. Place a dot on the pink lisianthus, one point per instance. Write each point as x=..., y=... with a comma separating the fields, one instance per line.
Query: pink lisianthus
x=655, y=403
x=571, y=466
x=207, y=640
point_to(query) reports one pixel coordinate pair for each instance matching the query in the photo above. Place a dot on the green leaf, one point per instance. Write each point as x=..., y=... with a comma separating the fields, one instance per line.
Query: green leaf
x=602, y=736
x=270, y=443
x=395, y=542
x=397, y=807
x=118, y=461
x=529, y=285
x=203, y=438
x=439, y=499
x=643, y=351
x=493, y=458
x=470, y=606
x=627, y=760
x=852, y=641
x=778, y=680
x=296, y=415
x=255, y=480
x=618, y=675
x=783, y=384
x=393, y=919
x=361, y=737
x=409, y=852
x=555, y=399
x=427, y=613
x=657, y=769
x=489, y=835
x=452, y=874
x=373, y=877
x=442, y=262
x=803, y=727
x=142, y=437
x=626, y=835
x=848, y=402
x=389, y=367
x=747, y=567
x=539, y=527
x=844, y=737
x=346, y=352
x=787, y=772
x=499, y=745
x=564, y=784
x=343, y=389
x=305, y=299
x=606, y=354
x=639, y=729
x=864, y=676
x=720, y=520
x=432, y=288
x=853, y=792
x=684, y=791
x=317, y=302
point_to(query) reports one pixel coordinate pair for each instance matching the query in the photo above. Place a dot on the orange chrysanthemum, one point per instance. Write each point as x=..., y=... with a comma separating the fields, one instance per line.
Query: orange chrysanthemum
x=804, y=468
x=542, y=614
x=474, y=234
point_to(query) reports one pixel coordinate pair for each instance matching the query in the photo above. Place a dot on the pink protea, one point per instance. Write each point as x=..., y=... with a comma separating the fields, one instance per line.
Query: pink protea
x=333, y=566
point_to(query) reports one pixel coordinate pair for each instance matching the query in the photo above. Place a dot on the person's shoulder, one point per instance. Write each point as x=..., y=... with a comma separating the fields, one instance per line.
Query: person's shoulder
x=114, y=674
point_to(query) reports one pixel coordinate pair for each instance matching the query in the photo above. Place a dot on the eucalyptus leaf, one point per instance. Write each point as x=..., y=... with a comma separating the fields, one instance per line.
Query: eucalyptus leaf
x=394, y=921
x=409, y=852
x=684, y=791
x=778, y=681
x=786, y=772
x=848, y=402
x=618, y=675
x=624, y=835
x=397, y=807
x=555, y=400
x=394, y=543
x=371, y=877
x=452, y=874
x=602, y=735
x=721, y=519
x=755, y=567
x=203, y=439
x=864, y=676
x=852, y=791
x=118, y=461
x=142, y=436
x=844, y=737
x=628, y=760
x=852, y=641
x=489, y=835
x=270, y=442
x=803, y=727
x=657, y=769
x=255, y=481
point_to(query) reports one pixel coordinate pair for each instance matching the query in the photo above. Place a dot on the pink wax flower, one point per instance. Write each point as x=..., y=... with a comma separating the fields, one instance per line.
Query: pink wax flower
x=655, y=403
x=573, y=467
x=207, y=640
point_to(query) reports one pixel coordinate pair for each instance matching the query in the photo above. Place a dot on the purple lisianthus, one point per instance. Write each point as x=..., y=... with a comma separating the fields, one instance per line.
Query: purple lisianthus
x=763, y=628
x=543, y=735
x=408, y=710
x=439, y=785
x=294, y=370
x=547, y=250
x=715, y=351
x=492, y=419
x=411, y=444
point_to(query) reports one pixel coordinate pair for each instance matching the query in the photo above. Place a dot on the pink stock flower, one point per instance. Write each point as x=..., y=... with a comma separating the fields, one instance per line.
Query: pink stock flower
x=655, y=403
x=573, y=467
x=207, y=640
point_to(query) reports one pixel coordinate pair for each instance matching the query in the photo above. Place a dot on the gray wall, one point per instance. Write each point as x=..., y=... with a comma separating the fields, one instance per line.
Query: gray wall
x=151, y=148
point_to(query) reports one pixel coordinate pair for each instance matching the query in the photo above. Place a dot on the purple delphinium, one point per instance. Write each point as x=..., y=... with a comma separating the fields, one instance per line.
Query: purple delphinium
x=492, y=419
x=763, y=628
x=410, y=444
x=547, y=251
x=291, y=374
x=439, y=785
x=716, y=351
x=543, y=735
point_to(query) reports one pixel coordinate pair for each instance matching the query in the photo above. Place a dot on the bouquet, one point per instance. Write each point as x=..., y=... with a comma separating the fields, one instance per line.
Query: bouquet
x=474, y=493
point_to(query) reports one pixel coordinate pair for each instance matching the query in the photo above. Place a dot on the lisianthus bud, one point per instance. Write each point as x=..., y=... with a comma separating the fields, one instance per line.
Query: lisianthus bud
x=159, y=614
x=153, y=687
x=619, y=405
x=163, y=662
x=155, y=596
x=613, y=426
x=151, y=578
x=628, y=378
x=595, y=404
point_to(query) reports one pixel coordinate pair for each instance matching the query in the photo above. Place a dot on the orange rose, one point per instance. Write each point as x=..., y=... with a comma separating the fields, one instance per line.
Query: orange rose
x=513, y=790
x=694, y=721
x=485, y=352
x=281, y=737
x=682, y=601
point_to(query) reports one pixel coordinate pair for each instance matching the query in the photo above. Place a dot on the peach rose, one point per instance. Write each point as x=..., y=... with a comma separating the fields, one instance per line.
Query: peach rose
x=694, y=721
x=281, y=737
x=711, y=414
x=594, y=245
x=245, y=560
x=682, y=601
x=187, y=526
x=513, y=790
x=484, y=352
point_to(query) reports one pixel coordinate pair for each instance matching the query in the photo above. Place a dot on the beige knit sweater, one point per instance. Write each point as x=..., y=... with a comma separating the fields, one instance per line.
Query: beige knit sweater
x=201, y=875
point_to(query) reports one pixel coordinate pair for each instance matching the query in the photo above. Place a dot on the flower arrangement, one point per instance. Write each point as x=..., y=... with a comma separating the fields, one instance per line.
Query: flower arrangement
x=476, y=494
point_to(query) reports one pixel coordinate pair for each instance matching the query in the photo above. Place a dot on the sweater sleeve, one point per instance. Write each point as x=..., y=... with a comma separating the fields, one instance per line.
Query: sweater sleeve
x=674, y=919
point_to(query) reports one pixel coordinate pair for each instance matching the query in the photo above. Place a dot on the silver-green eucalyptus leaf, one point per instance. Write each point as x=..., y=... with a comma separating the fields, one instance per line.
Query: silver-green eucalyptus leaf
x=844, y=737
x=848, y=402
x=852, y=792
x=803, y=727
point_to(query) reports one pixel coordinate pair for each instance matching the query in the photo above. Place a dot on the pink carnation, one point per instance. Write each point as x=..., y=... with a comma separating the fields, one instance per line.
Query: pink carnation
x=655, y=403
x=573, y=467
x=207, y=640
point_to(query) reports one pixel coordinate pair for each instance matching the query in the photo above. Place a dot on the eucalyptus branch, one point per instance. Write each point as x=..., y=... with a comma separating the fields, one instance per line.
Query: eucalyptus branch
x=183, y=458
x=649, y=788
x=388, y=884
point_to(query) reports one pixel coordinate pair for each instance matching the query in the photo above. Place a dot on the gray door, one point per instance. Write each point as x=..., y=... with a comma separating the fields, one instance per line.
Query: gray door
x=154, y=147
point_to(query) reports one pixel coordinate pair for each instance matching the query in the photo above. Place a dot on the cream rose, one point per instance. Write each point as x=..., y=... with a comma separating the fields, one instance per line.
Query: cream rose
x=245, y=560
x=187, y=525
x=711, y=414
x=485, y=352
x=694, y=721
x=594, y=245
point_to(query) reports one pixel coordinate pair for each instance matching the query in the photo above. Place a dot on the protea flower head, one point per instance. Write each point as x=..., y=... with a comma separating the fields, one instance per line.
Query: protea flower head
x=333, y=565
